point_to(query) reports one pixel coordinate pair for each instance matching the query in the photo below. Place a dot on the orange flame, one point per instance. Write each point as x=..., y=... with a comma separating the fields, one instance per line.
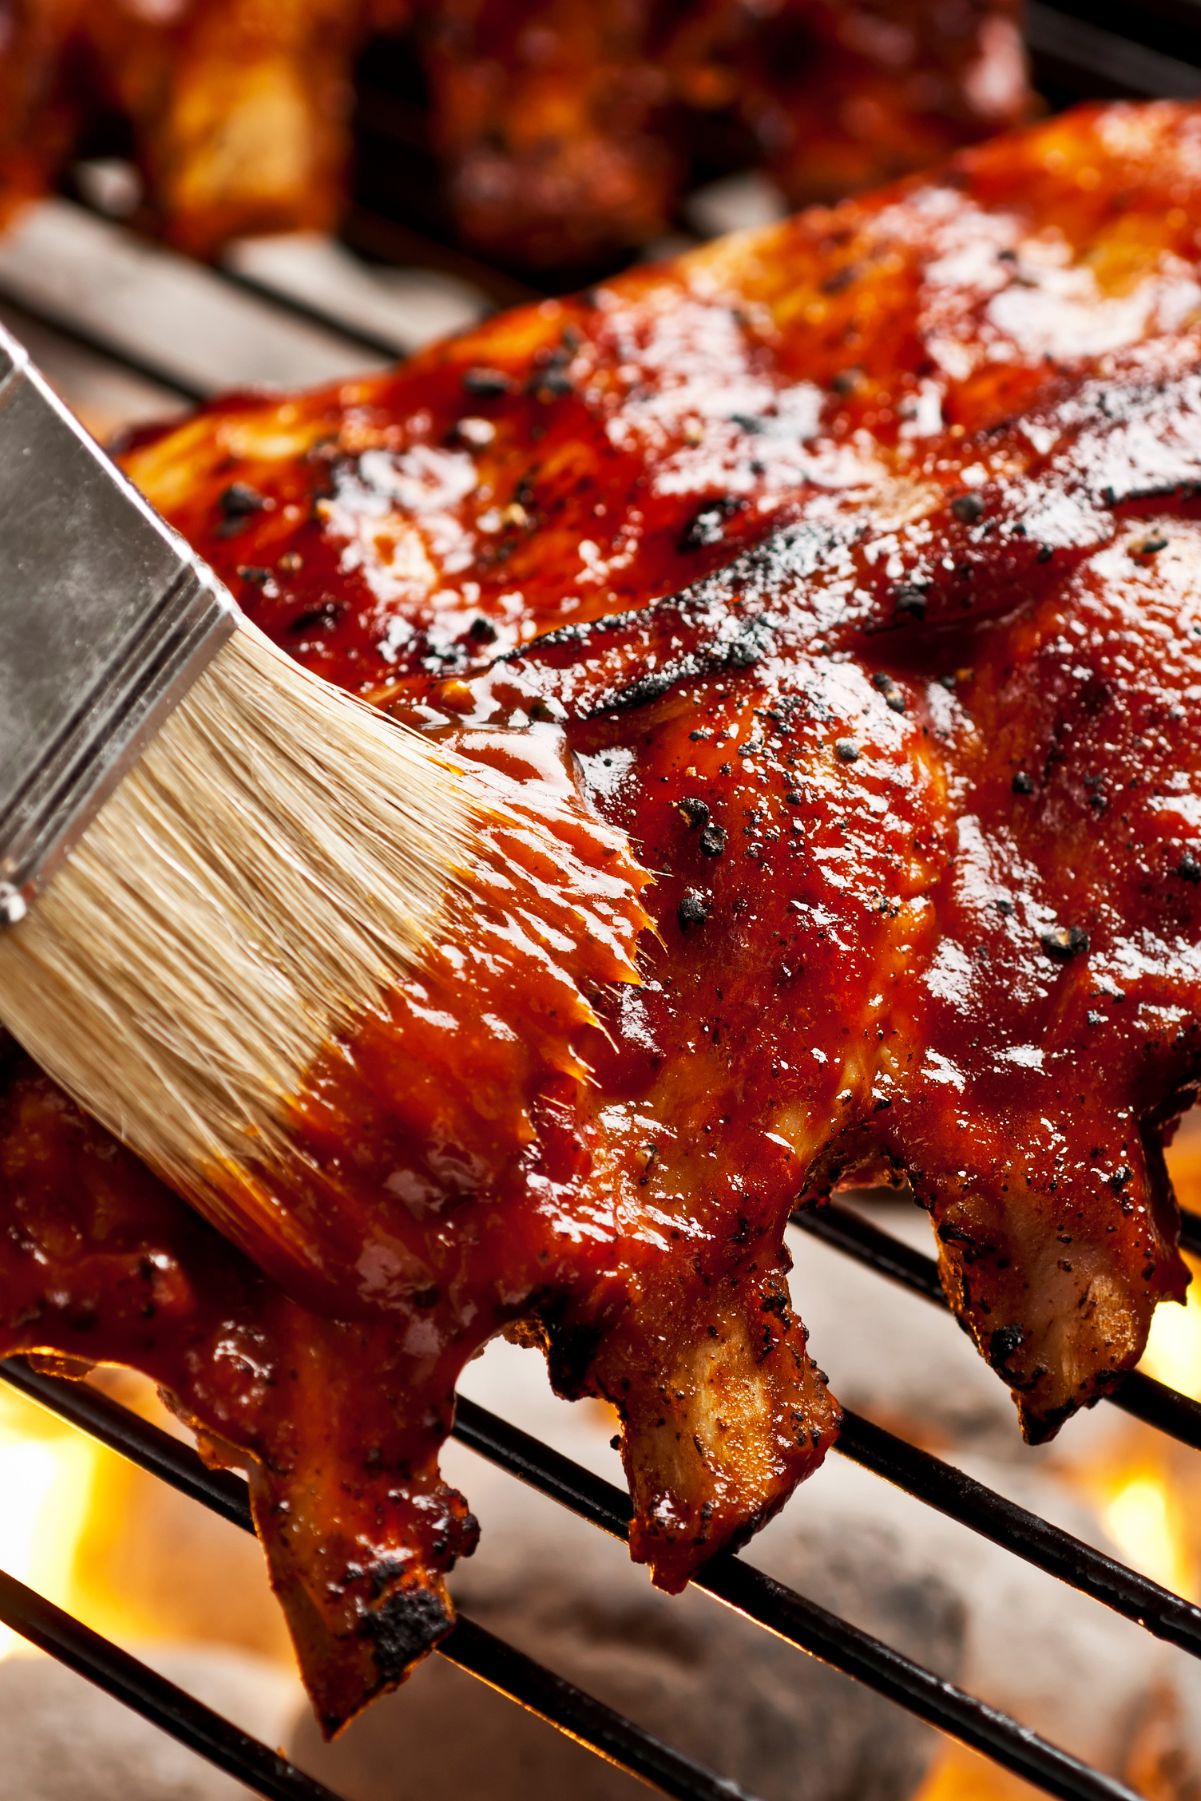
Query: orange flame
x=49, y=1476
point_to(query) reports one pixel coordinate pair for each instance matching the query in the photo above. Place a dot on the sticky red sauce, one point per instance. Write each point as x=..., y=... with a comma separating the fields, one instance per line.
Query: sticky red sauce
x=851, y=574
x=445, y=1126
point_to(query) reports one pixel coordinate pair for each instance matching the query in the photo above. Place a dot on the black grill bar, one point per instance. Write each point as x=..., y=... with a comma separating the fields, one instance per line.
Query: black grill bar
x=1090, y=54
x=927, y=1478
x=363, y=337
x=144, y=1444
x=1157, y=1405
x=552, y=1698
x=1026, y=1534
x=1138, y=1394
x=1190, y=1232
x=849, y=1232
x=748, y=1591
x=799, y=1621
x=143, y=368
x=151, y=1695
x=1074, y=57
x=469, y=1646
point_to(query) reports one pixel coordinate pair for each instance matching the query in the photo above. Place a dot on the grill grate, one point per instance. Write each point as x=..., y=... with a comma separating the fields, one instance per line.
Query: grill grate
x=41, y=271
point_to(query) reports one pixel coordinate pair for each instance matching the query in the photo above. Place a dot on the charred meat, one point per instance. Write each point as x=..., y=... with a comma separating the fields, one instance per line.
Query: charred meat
x=852, y=572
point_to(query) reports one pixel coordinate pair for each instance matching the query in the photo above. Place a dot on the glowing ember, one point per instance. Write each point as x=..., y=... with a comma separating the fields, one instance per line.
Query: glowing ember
x=49, y=1475
x=1142, y=1516
x=1173, y=1353
x=960, y=1775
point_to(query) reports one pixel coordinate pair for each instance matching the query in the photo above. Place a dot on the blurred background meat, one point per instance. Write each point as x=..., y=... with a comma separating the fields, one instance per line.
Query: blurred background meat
x=236, y=109
x=565, y=129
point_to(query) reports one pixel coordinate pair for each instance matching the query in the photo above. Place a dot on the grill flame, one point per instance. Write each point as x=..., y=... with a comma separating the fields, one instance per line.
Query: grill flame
x=49, y=1480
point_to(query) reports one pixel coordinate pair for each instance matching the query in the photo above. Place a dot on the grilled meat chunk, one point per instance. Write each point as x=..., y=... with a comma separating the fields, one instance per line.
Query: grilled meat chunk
x=852, y=570
x=567, y=129
x=237, y=110
x=102, y=1263
x=565, y=126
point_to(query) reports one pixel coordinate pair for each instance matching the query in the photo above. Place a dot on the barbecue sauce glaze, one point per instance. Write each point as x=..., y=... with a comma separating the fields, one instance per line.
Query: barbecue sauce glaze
x=851, y=573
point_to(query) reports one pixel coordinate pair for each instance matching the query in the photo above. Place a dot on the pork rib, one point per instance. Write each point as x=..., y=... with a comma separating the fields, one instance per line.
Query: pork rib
x=565, y=127
x=852, y=572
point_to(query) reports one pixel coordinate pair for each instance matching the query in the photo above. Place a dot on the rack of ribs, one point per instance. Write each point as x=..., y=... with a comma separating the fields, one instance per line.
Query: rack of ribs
x=565, y=128
x=840, y=584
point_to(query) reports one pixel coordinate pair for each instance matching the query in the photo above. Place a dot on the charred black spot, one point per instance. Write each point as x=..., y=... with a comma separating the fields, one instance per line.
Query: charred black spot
x=551, y=384
x=403, y=1628
x=1004, y=1344
x=720, y=648
x=694, y=909
x=707, y=525
x=236, y=504
x=1062, y=943
x=950, y=1233
x=893, y=697
x=968, y=508
x=909, y=599
x=841, y=279
x=316, y=619
x=1179, y=490
x=487, y=384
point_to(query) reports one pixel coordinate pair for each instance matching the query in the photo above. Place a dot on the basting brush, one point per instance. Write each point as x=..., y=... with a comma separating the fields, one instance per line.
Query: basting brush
x=212, y=862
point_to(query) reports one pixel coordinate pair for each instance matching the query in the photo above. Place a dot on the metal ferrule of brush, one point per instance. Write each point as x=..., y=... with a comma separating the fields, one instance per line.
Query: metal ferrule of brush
x=106, y=620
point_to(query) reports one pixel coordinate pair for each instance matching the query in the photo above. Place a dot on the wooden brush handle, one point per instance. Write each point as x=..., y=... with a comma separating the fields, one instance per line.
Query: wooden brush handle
x=106, y=620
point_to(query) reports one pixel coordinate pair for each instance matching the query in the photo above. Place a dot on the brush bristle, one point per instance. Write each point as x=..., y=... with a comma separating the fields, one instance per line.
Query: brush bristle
x=276, y=858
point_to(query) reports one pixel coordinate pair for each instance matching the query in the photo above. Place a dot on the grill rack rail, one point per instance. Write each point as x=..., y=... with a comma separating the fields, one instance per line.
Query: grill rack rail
x=728, y=1578
x=1079, y=49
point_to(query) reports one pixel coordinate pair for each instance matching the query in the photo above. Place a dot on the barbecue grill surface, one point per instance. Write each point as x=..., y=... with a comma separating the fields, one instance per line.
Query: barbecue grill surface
x=61, y=274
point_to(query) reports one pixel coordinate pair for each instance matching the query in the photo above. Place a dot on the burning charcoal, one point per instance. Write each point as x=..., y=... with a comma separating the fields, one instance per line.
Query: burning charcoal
x=786, y=1728
x=880, y=1344
x=67, y=1741
x=910, y=1364
x=1029, y=1639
